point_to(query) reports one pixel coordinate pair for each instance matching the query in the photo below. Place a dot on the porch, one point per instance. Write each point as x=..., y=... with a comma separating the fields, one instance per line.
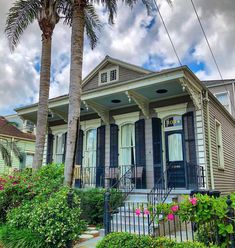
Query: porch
x=138, y=133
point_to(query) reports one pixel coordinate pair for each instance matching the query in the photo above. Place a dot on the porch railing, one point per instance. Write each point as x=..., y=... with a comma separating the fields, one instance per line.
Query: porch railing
x=122, y=177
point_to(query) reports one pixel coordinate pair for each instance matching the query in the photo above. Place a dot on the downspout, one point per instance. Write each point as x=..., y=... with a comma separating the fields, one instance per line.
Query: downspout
x=209, y=141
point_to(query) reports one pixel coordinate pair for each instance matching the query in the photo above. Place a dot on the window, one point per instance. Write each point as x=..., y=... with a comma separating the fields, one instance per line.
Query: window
x=104, y=77
x=90, y=148
x=59, y=152
x=224, y=99
x=219, y=145
x=175, y=149
x=109, y=75
x=29, y=160
x=113, y=75
x=127, y=145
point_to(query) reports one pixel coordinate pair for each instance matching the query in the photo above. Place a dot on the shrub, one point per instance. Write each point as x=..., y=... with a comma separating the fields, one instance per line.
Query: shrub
x=92, y=204
x=54, y=220
x=20, y=238
x=24, y=186
x=116, y=240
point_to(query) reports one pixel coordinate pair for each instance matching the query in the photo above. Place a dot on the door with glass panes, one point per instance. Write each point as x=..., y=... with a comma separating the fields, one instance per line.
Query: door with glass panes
x=175, y=163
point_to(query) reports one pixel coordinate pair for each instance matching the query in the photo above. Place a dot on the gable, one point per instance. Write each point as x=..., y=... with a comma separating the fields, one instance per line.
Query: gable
x=125, y=72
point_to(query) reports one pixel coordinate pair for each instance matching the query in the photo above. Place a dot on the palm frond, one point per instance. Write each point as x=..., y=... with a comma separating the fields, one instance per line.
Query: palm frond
x=6, y=154
x=110, y=5
x=92, y=24
x=17, y=152
x=21, y=14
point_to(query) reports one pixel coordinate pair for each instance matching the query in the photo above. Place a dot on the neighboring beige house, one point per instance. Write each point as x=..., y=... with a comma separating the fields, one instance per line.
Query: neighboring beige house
x=224, y=91
x=163, y=124
x=25, y=141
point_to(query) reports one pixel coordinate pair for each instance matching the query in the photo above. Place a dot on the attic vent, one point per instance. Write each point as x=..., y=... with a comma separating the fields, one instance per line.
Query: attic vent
x=109, y=75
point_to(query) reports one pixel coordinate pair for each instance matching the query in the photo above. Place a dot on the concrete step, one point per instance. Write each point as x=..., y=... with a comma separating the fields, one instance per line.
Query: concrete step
x=140, y=229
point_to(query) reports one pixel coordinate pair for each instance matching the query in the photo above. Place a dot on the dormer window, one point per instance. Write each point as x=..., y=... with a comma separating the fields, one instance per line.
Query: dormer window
x=109, y=75
x=104, y=77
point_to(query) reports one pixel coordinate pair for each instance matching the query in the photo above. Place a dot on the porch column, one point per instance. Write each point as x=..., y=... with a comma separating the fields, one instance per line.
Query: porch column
x=149, y=154
x=107, y=153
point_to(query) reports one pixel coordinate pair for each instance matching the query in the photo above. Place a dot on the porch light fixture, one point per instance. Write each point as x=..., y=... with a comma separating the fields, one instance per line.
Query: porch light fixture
x=161, y=91
x=86, y=106
x=128, y=96
x=115, y=101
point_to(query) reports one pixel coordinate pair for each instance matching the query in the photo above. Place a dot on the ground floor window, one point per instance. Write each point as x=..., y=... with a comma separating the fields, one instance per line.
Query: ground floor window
x=127, y=145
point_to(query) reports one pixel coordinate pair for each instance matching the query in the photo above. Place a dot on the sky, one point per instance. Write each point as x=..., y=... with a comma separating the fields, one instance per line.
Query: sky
x=135, y=38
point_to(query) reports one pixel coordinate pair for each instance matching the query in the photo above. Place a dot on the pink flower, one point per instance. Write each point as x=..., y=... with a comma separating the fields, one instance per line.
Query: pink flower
x=138, y=212
x=1, y=187
x=170, y=217
x=14, y=183
x=146, y=212
x=193, y=200
x=175, y=208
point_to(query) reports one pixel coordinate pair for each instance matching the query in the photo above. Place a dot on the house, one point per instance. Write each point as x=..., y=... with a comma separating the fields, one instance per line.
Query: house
x=145, y=126
x=25, y=126
x=10, y=134
x=224, y=91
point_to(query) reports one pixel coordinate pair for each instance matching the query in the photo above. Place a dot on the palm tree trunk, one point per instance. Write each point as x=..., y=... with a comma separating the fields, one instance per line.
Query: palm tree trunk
x=75, y=89
x=42, y=114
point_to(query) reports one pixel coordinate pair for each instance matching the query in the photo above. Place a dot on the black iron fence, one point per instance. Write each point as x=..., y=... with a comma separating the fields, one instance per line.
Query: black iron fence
x=143, y=219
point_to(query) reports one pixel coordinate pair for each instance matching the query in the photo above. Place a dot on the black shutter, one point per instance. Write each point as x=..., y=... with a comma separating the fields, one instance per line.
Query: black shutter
x=100, y=156
x=79, y=148
x=65, y=143
x=157, y=148
x=50, y=139
x=140, y=153
x=190, y=150
x=113, y=145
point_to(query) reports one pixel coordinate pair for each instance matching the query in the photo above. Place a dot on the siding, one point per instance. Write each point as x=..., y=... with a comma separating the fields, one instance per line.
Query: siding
x=224, y=179
x=25, y=147
x=124, y=75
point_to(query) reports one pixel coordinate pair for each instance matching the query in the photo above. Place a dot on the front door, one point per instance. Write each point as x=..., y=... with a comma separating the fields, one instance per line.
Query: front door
x=175, y=159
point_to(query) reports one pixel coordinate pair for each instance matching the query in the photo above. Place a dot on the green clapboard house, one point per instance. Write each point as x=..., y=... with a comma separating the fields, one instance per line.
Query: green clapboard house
x=10, y=134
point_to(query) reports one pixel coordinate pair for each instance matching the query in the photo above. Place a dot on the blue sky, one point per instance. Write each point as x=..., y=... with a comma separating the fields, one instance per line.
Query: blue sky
x=135, y=38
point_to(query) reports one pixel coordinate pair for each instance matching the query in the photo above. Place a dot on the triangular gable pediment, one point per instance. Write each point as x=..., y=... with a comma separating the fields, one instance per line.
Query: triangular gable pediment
x=125, y=72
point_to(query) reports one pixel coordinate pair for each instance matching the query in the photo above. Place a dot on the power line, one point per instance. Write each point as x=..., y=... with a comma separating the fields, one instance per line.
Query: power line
x=212, y=54
x=168, y=34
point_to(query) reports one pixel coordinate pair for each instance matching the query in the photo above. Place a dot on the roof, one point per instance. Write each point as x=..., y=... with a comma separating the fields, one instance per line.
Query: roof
x=211, y=83
x=109, y=59
x=6, y=128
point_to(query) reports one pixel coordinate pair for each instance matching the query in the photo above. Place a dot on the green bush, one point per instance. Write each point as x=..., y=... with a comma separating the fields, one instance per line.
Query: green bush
x=20, y=238
x=24, y=186
x=116, y=240
x=92, y=204
x=53, y=219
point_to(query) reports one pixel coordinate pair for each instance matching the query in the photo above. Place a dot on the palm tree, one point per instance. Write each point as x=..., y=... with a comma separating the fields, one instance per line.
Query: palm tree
x=20, y=16
x=79, y=21
x=6, y=149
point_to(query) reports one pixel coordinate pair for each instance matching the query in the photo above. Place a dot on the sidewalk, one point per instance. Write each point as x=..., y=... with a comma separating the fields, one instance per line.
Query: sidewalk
x=89, y=244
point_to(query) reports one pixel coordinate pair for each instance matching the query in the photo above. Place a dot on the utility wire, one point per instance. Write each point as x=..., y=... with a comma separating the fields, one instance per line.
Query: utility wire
x=212, y=54
x=168, y=34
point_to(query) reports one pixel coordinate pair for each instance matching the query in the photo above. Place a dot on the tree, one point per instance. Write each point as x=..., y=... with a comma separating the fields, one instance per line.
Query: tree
x=6, y=149
x=20, y=16
x=79, y=20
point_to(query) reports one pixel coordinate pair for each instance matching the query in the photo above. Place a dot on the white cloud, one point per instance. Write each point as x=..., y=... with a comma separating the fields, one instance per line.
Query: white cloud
x=127, y=40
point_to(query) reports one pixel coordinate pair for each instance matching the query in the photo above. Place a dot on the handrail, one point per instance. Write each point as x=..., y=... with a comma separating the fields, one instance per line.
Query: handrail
x=159, y=194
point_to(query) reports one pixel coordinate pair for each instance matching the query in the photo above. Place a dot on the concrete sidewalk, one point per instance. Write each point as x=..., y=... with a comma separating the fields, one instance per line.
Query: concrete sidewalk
x=89, y=244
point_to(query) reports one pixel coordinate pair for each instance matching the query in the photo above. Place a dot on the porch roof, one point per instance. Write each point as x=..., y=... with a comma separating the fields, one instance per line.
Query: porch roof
x=141, y=92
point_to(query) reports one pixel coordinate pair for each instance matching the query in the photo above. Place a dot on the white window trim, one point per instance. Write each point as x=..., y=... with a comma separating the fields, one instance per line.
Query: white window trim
x=108, y=75
x=229, y=99
x=123, y=119
x=221, y=155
